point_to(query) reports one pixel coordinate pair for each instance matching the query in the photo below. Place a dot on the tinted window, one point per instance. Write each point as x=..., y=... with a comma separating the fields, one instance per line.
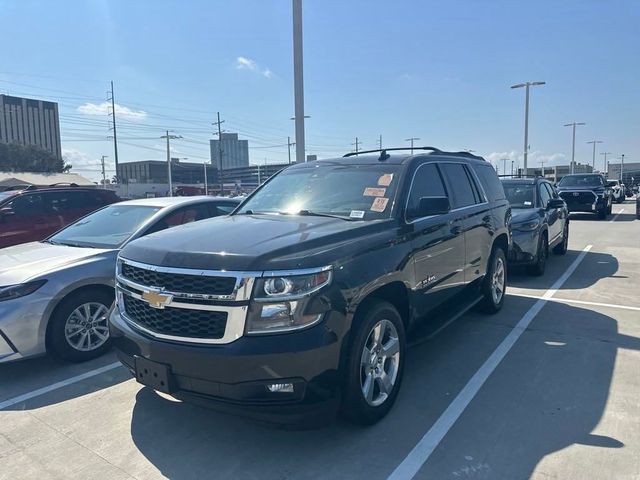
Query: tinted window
x=462, y=189
x=544, y=195
x=490, y=182
x=581, y=181
x=427, y=182
x=60, y=202
x=27, y=205
x=189, y=214
x=222, y=209
x=552, y=191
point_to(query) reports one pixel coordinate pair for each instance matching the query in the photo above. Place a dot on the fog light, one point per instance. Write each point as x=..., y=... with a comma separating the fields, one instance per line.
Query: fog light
x=280, y=388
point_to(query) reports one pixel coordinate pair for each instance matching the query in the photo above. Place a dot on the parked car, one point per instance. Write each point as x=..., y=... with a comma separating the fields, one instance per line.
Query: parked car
x=539, y=222
x=586, y=192
x=303, y=295
x=55, y=294
x=33, y=214
x=617, y=190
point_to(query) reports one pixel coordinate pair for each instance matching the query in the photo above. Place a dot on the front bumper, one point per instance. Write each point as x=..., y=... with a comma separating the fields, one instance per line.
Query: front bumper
x=234, y=377
x=524, y=247
x=593, y=205
x=22, y=326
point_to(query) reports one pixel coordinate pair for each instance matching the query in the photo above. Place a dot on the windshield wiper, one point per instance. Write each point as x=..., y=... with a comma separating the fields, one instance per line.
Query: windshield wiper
x=310, y=213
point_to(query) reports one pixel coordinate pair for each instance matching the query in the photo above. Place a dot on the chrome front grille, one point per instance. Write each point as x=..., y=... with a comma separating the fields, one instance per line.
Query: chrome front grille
x=184, y=305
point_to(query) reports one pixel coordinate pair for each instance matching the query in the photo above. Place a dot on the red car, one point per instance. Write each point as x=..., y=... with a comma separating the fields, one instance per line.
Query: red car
x=34, y=214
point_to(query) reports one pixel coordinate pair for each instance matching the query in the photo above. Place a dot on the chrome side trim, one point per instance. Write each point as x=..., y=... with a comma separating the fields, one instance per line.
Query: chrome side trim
x=289, y=273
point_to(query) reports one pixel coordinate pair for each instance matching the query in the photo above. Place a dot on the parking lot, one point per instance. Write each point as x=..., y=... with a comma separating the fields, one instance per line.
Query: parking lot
x=547, y=388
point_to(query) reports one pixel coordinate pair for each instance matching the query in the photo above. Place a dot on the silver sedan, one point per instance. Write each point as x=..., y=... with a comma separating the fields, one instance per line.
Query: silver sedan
x=55, y=295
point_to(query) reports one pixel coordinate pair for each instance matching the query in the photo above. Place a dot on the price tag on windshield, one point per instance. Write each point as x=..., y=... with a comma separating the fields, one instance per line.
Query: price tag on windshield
x=374, y=192
x=379, y=204
x=385, y=180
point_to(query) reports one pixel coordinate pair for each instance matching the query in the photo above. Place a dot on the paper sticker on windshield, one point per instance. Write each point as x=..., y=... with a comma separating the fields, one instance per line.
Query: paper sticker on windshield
x=374, y=192
x=385, y=180
x=528, y=204
x=379, y=204
x=357, y=214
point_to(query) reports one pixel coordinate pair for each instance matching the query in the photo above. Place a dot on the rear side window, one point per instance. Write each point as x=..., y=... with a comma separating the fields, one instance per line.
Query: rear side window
x=427, y=182
x=552, y=191
x=490, y=182
x=463, y=191
x=544, y=195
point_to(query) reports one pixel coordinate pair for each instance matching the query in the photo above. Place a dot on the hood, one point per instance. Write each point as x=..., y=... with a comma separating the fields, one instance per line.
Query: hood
x=21, y=263
x=255, y=242
x=521, y=215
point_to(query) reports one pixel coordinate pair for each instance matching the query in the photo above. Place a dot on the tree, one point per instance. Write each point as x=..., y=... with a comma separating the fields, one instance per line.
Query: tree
x=30, y=158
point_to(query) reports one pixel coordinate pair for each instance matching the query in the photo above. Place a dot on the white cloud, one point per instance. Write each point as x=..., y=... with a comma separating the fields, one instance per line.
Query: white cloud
x=534, y=159
x=244, y=63
x=104, y=109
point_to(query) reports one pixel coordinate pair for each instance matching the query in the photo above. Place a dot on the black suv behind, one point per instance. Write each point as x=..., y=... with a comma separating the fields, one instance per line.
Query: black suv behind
x=303, y=295
x=586, y=192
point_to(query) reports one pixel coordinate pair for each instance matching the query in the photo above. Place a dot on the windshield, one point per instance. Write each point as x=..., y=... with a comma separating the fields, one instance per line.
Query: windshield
x=581, y=181
x=5, y=195
x=106, y=228
x=356, y=192
x=520, y=195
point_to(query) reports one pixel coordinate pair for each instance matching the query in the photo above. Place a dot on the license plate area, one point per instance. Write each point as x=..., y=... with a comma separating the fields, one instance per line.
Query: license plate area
x=153, y=374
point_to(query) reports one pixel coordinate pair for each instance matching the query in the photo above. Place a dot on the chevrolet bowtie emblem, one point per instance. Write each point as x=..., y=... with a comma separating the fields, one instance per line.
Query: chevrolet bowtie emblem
x=157, y=300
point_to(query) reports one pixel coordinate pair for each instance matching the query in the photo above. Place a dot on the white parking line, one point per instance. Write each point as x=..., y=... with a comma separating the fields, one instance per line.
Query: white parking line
x=617, y=215
x=57, y=385
x=428, y=443
x=579, y=302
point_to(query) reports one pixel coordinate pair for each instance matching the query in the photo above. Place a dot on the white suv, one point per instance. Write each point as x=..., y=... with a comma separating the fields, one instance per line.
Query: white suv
x=617, y=189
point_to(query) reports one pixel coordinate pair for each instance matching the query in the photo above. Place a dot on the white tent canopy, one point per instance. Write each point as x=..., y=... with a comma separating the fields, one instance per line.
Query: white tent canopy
x=10, y=179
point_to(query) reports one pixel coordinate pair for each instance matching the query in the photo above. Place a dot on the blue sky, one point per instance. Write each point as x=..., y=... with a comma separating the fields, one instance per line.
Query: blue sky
x=438, y=70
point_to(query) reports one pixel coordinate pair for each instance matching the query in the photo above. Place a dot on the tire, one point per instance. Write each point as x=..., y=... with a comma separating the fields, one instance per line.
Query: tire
x=492, y=301
x=602, y=213
x=538, y=268
x=563, y=246
x=378, y=318
x=68, y=338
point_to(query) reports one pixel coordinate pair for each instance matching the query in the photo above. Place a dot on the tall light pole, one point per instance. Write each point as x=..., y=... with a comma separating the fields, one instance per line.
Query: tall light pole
x=622, y=169
x=604, y=168
x=504, y=166
x=573, y=144
x=298, y=80
x=593, y=165
x=526, y=116
x=411, y=140
x=170, y=137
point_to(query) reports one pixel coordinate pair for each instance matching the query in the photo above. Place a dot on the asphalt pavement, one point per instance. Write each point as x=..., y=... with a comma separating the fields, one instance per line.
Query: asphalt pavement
x=549, y=388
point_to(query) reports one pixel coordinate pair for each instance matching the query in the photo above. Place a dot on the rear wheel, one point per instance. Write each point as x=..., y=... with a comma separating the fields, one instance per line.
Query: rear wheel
x=79, y=329
x=602, y=213
x=495, y=282
x=375, y=364
x=563, y=246
x=538, y=268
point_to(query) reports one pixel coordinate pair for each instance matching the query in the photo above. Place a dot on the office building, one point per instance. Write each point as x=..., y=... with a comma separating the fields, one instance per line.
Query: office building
x=235, y=152
x=631, y=172
x=156, y=172
x=555, y=172
x=248, y=178
x=26, y=121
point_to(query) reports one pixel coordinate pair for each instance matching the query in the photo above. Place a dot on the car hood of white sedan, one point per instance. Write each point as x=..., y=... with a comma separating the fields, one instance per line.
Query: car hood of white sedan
x=21, y=263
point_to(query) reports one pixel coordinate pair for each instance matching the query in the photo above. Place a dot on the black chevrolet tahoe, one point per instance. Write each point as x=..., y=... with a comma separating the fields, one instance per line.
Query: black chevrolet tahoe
x=586, y=192
x=302, y=297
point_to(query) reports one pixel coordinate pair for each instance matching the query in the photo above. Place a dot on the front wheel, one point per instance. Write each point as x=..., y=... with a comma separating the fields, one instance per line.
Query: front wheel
x=494, y=284
x=538, y=268
x=79, y=328
x=563, y=246
x=375, y=364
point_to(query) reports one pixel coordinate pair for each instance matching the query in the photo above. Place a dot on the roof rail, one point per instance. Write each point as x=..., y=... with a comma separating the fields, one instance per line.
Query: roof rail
x=384, y=150
x=516, y=176
x=60, y=184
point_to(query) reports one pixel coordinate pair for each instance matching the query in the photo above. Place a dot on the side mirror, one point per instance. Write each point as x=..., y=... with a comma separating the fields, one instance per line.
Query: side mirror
x=431, y=206
x=555, y=203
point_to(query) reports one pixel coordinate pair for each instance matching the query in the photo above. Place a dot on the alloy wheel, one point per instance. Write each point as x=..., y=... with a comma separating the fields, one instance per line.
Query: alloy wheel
x=87, y=328
x=380, y=362
x=498, y=281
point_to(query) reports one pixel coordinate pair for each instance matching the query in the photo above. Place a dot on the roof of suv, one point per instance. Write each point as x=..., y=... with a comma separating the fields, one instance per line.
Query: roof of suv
x=394, y=158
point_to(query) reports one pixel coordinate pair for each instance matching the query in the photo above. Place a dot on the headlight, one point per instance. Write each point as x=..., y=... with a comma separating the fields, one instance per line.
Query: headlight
x=16, y=291
x=284, y=303
x=529, y=226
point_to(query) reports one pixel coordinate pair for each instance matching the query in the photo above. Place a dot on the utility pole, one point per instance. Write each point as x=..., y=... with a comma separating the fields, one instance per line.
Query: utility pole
x=357, y=143
x=512, y=168
x=170, y=137
x=411, y=140
x=206, y=188
x=115, y=135
x=604, y=166
x=220, y=175
x=622, y=169
x=593, y=164
x=526, y=116
x=573, y=145
x=380, y=141
x=289, y=145
x=504, y=166
x=104, y=175
x=542, y=162
x=298, y=80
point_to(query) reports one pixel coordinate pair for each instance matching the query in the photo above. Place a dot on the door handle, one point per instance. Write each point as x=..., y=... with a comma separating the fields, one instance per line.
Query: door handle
x=457, y=230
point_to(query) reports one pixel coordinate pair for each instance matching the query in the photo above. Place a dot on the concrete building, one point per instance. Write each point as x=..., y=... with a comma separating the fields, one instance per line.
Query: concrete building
x=555, y=172
x=235, y=152
x=248, y=178
x=631, y=172
x=156, y=171
x=27, y=121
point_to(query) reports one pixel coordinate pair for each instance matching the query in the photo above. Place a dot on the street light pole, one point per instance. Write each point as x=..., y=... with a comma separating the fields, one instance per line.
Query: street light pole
x=593, y=165
x=606, y=172
x=526, y=115
x=573, y=144
x=298, y=83
x=622, y=169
